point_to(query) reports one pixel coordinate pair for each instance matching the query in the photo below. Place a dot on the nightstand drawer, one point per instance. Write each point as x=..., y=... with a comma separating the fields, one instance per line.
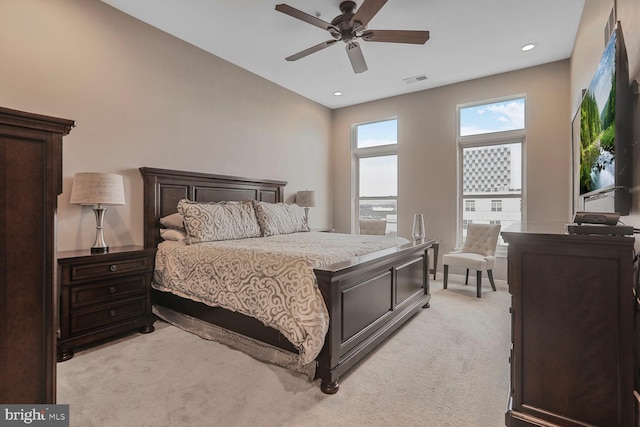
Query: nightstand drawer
x=126, y=287
x=106, y=269
x=108, y=314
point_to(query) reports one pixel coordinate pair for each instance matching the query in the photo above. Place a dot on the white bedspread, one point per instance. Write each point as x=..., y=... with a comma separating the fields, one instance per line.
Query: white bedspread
x=269, y=278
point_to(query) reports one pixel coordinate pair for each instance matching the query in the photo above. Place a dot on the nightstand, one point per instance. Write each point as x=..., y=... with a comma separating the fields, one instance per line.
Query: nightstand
x=103, y=295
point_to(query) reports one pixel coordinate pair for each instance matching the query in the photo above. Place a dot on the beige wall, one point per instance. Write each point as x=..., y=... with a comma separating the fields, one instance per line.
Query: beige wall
x=427, y=156
x=143, y=98
x=629, y=15
x=427, y=149
x=587, y=51
x=589, y=43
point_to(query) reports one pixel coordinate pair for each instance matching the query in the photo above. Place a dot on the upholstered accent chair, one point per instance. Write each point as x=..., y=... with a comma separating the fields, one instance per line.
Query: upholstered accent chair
x=373, y=226
x=477, y=253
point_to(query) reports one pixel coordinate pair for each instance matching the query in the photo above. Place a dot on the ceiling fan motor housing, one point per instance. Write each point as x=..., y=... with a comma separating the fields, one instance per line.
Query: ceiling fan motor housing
x=342, y=22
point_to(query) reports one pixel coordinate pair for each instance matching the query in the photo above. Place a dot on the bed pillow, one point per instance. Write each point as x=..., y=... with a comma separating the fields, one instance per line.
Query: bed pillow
x=210, y=222
x=173, y=234
x=173, y=221
x=280, y=218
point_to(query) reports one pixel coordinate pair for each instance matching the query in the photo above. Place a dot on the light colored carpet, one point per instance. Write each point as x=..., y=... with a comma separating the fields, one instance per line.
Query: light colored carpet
x=447, y=367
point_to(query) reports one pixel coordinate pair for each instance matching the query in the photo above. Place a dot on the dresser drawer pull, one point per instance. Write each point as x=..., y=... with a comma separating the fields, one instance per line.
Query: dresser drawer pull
x=112, y=313
x=112, y=289
x=113, y=267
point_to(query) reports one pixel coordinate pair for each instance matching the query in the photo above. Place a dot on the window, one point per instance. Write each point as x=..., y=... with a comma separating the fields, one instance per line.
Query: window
x=375, y=151
x=490, y=139
x=469, y=205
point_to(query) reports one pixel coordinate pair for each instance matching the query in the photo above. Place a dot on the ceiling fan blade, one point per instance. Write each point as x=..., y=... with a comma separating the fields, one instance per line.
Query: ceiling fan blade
x=298, y=14
x=357, y=59
x=310, y=50
x=366, y=11
x=396, y=36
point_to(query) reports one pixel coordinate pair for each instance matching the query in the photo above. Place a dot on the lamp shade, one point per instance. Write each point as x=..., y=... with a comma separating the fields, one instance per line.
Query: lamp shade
x=306, y=199
x=94, y=188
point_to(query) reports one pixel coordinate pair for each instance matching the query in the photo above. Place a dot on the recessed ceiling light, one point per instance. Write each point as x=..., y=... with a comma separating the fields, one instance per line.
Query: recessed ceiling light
x=337, y=93
x=527, y=47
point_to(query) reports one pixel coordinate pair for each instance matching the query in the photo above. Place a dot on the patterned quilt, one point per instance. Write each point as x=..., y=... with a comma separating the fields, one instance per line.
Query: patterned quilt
x=269, y=278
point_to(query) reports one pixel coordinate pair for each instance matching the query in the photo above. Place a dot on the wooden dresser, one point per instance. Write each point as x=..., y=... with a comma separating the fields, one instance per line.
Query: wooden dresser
x=30, y=181
x=103, y=295
x=572, y=320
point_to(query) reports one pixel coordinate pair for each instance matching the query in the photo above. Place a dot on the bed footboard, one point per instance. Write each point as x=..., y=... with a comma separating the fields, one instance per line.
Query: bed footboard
x=368, y=298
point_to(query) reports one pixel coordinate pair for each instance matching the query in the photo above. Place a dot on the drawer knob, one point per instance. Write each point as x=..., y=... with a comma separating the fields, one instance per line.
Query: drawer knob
x=112, y=313
x=112, y=289
x=113, y=267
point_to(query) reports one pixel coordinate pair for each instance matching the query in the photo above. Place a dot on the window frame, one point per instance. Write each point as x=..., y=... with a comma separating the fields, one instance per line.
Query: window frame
x=483, y=140
x=368, y=152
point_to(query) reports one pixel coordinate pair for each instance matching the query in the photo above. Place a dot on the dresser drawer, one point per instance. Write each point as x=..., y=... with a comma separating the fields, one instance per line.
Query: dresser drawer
x=126, y=287
x=106, y=269
x=108, y=314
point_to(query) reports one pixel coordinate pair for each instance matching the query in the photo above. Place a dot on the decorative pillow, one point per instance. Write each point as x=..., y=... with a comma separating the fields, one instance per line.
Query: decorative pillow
x=173, y=221
x=209, y=222
x=280, y=218
x=173, y=234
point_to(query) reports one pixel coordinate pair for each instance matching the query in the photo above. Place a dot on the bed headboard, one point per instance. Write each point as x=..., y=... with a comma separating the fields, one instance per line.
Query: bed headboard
x=164, y=188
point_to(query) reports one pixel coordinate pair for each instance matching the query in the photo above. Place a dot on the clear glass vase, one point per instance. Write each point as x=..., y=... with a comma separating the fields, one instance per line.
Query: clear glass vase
x=418, y=227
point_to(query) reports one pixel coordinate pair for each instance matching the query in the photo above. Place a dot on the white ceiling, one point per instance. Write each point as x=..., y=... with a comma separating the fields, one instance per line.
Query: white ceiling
x=469, y=39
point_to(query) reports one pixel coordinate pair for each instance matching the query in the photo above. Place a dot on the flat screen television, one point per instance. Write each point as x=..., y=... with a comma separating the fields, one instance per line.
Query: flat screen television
x=605, y=133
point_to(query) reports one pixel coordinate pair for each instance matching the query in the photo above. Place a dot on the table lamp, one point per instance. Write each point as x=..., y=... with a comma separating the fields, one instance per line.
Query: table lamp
x=98, y=189
x=306, y=199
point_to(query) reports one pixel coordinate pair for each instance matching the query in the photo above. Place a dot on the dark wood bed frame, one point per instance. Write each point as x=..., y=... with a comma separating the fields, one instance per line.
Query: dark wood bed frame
x=368, y=297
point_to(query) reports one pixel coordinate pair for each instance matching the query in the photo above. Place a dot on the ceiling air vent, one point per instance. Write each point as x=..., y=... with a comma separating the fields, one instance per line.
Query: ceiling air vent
x=415, y=79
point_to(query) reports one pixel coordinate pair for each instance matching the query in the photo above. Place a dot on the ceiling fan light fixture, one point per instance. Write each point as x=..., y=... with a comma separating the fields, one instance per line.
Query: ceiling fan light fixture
x=527, y=47
x=337, y=93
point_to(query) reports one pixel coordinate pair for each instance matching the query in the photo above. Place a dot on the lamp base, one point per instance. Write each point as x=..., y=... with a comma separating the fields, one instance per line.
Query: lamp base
x=306, y=219
x=99, y=245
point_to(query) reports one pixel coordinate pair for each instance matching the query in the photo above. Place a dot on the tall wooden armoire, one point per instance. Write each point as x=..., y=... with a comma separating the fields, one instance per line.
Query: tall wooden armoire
x=30, y=182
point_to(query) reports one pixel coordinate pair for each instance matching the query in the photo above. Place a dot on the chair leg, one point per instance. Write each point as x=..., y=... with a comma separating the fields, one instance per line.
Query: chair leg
x=446, y=274
x=479, y=283
x=490, y=274
x=466, y=278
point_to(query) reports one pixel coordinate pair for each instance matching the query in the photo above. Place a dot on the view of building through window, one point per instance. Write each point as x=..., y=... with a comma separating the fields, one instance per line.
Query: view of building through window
x=375, y=150
x=492, y=193
x=491, y=168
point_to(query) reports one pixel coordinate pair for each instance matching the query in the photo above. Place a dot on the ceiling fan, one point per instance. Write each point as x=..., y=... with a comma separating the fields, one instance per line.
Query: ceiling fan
x=351, y=25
